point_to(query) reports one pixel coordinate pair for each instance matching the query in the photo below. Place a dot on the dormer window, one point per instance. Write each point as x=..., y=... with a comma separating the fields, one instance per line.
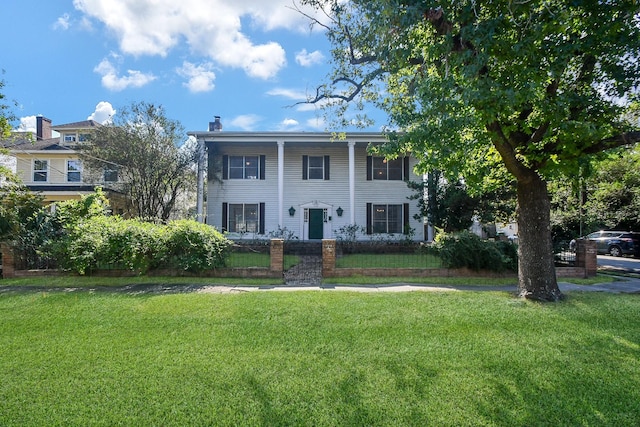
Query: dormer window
x=69, y=138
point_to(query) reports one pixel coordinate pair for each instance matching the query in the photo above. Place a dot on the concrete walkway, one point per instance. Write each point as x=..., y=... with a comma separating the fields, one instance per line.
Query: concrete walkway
x=628, y=286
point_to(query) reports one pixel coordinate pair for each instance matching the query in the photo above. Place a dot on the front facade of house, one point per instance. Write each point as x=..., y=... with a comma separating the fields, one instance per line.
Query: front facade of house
x=309, y=184
x=50, y=165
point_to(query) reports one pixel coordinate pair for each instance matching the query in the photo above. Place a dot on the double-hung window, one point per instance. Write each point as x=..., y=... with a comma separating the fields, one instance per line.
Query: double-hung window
x=243, y=167
x=387, y=218
x=315, y=167
x=243, y=217
x=380, y=168
x=40, y=170
x=74, y=171
x=110, y=174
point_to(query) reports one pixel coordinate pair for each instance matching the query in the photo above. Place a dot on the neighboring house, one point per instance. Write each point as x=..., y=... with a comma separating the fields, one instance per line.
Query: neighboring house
x=309, y=184
x=51, y=165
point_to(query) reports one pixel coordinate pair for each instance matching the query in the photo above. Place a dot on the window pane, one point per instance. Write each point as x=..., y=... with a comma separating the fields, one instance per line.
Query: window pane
x=251, y=167
x=110, y=175
x=251, y=218
x=394, y=218
x=40, y=165
x=40, y=170
x=316, y=161
x=73, y=166
x=394, y=169
x=379, y=218
x=379, y=168
x=316, y=167
x=236, y=218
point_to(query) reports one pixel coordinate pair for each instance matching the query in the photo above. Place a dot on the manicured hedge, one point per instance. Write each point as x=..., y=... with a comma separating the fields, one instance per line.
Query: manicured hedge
x=110, y=242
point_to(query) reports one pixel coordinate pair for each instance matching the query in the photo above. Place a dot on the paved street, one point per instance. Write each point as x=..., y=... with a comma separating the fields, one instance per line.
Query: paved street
x=626, y=264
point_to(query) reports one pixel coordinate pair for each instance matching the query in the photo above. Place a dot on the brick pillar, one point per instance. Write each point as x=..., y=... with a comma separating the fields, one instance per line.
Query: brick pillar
x=277, y=255
x=586, y=257
x=328, y=256
x=8, y=264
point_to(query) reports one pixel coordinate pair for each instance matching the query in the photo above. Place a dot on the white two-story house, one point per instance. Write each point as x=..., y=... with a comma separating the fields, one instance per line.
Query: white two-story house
x=307, y=183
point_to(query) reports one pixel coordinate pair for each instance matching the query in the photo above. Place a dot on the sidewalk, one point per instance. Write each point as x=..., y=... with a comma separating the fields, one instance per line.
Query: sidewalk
x=630, y=286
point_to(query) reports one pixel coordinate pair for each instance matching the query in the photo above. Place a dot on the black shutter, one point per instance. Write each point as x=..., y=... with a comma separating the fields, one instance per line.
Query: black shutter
x=326, y=168
x=369, y=222
x=305, y=165
x=225, y=212
x=406, y=168
x=225, y=167
x=369, y=168
x=263, y=161
x=405, y=219
x=261, y=218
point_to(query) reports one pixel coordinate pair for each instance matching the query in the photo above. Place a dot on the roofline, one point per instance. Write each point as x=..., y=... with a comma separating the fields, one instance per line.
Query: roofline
x=226, y=136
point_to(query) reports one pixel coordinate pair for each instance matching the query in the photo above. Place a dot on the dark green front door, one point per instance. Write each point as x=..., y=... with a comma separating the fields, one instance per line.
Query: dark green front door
x=316, y=223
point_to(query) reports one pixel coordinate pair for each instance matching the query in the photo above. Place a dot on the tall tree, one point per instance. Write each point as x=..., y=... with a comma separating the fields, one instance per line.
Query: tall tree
x=146, y=150
x=535, y=85
x=6, y=117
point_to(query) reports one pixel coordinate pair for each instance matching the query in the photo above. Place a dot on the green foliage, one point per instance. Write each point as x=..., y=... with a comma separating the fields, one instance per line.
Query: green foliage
x=604, y=195
x=138, y=246
x=466, y=249
x=18, y=208
x=6, y=116
x=154, y=163
x=192, y=246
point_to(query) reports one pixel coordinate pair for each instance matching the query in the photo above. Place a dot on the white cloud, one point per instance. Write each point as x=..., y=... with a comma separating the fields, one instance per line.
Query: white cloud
x=27, y=124
x=317, y=123
x=290, y=122
x=246, y=121
x=307, y=59
x=200, y=77
x=103, y=113
x=295, y=95
x=62, y=23
x=210, y=27
x=112, y=81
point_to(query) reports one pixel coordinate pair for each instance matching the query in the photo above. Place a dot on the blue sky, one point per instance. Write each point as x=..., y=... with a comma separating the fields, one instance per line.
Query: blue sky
x=248, y=61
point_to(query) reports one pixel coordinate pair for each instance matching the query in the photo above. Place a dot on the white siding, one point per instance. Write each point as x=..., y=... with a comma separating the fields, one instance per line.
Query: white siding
x=330, y=194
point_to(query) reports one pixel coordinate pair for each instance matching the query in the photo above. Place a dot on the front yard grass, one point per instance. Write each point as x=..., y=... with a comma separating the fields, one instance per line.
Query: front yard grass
x=416, y=260
x=318, y=358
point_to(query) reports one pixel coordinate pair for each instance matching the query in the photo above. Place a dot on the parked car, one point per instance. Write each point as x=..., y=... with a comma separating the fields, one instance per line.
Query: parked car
x=616, y=243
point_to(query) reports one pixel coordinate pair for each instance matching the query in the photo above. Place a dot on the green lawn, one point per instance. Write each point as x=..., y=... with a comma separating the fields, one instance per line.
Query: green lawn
x=256, y=259
x=318, y=358
x=417, y=260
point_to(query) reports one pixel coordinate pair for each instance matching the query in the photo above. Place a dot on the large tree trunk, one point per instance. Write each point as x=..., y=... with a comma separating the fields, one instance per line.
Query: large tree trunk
x=536, y=269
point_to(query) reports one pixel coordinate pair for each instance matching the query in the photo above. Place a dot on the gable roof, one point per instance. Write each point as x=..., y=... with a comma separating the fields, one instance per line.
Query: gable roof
x=85, y=124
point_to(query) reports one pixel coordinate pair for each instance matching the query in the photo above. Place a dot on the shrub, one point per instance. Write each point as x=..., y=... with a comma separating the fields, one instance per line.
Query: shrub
x=465, y=249
x=192, y=246
x=135, y=245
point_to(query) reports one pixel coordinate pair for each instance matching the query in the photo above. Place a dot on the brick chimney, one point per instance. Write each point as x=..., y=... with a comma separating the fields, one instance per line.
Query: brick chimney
x=43, y=128
x=215, y=126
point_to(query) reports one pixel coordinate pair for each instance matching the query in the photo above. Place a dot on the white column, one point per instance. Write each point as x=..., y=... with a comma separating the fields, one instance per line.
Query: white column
x=352, y=183
x=202, y=153
x=281, y=183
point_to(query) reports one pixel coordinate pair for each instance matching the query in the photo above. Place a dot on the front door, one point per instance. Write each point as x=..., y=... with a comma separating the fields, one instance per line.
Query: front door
x=316, y=223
